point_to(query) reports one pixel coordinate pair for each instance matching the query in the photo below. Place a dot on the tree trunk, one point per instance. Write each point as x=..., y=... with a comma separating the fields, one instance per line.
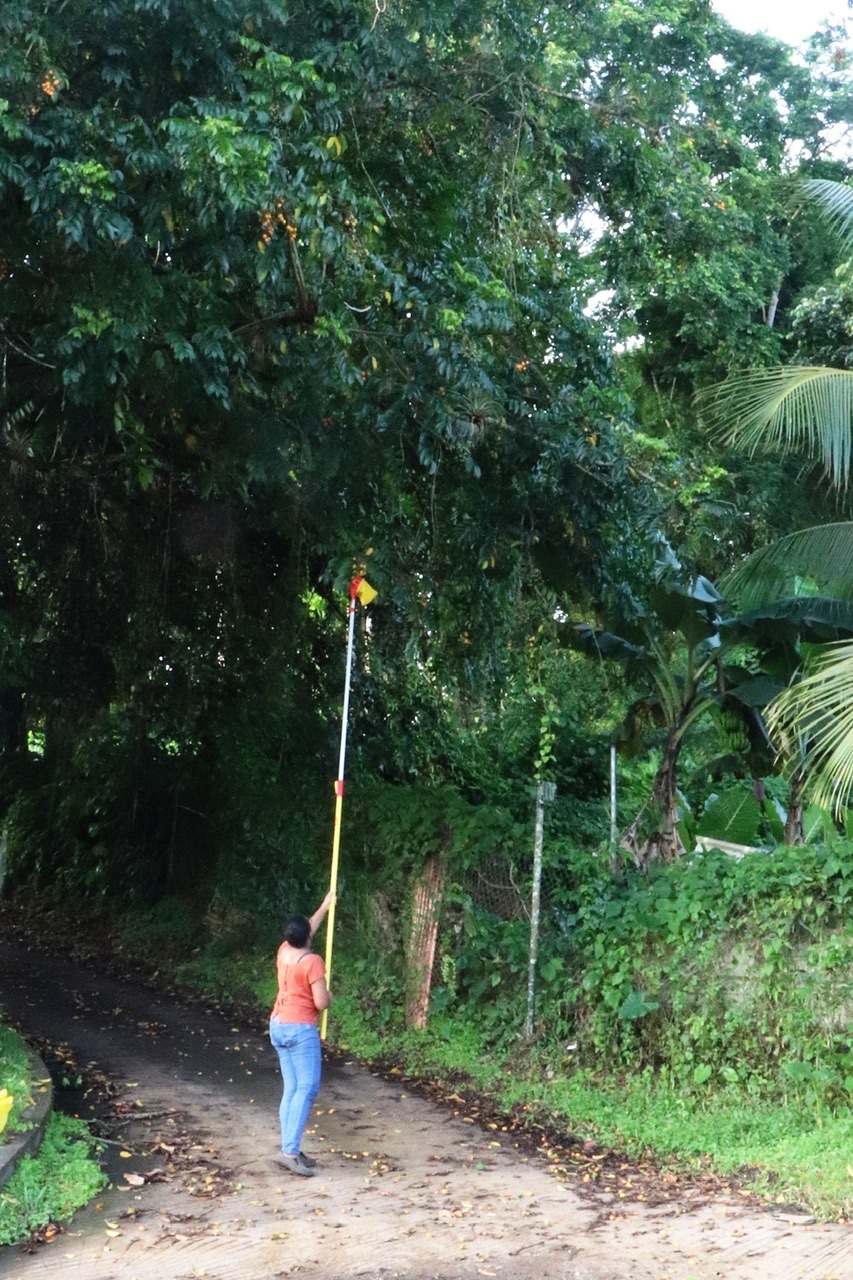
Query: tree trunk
x=420, y=947
x=770, y=311
x=795, y=832
x=662, y=843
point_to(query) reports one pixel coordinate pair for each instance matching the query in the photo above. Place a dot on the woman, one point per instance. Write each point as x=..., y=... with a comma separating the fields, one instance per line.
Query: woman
x=302, y=993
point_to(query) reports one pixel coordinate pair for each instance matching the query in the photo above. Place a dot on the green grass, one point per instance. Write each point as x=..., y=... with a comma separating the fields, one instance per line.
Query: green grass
x=48, y=1187
x=14, y=1076
x=230, y=977
x=789, y=1153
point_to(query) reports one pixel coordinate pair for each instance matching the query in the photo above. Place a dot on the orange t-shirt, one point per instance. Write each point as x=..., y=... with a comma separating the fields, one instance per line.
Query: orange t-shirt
x=295, y=1000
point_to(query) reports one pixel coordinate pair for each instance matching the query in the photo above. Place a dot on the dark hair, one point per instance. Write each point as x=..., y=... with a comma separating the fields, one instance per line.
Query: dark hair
x=297, y=931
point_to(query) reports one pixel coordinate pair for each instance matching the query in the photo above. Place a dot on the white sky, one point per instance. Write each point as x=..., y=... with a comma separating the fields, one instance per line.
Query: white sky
x=790, y=20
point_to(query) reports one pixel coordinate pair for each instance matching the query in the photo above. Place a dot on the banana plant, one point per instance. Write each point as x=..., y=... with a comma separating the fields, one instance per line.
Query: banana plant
x=684, y=648
x=782, y=636
x=668, y=644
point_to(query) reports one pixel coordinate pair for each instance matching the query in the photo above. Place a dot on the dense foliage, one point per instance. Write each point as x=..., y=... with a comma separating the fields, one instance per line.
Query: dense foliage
x=730, y=971
x=425, y=291
x=279, y=289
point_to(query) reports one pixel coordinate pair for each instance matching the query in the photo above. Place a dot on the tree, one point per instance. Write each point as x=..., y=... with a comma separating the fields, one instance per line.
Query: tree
x=690, y=655
x=669, y=642
x=702, y=241
x=277, y=288
x=284, y=290
x=795, y=408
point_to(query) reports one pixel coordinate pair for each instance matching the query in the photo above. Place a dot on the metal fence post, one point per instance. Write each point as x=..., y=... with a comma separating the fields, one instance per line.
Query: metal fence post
x=545, y=793
x=614, y=833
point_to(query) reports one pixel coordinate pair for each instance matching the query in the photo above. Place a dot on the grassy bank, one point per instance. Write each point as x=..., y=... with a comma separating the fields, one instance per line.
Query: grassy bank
x=48, y=1187
x=62, y=1176
x=15, y=1077
x=788, y=1152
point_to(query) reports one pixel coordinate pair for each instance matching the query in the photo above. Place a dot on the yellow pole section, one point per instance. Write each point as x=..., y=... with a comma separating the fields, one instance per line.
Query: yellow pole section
x=333, y=885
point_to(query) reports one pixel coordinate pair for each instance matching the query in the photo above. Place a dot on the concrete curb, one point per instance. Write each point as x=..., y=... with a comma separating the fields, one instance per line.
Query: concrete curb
x=28, y=1142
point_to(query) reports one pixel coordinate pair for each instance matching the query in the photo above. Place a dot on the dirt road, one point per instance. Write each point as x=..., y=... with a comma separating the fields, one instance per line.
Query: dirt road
x=407, y=1188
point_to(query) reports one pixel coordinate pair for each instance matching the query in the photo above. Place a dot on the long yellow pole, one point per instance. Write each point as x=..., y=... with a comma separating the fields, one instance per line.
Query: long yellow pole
x=339, y=800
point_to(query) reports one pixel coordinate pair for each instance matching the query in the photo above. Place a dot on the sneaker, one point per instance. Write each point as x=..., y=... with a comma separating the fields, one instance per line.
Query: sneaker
x=294, y=1164
x=308, y=1161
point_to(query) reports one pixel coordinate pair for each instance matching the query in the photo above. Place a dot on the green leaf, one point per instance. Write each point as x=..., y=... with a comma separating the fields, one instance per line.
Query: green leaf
x=732, y=816
x=183, y=350
x=837, y=201
x=635, y=1005
x=819, y=709
x=801, y=564
x=798, y=408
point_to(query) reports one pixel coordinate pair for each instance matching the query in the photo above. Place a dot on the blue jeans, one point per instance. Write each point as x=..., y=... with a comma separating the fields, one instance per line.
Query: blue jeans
x=298, y=1047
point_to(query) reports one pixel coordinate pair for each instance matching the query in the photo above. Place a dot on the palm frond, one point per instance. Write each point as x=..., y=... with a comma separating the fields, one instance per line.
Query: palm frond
x=808, y=614
x=803, y=563
x=836, y=199
x=800, y=408
x=819, y=710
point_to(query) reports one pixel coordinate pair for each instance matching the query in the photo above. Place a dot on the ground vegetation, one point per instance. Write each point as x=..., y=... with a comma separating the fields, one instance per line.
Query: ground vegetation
x=46, y=1189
